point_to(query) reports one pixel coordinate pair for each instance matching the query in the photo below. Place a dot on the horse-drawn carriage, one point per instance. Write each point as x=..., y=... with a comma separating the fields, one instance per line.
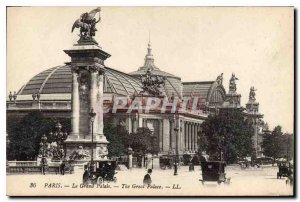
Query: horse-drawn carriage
x=284, y=169
x=213, y=171
x=166, y=162
x=100, y=171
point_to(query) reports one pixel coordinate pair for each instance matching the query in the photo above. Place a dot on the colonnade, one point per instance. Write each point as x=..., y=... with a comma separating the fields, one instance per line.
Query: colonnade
x=186, y=137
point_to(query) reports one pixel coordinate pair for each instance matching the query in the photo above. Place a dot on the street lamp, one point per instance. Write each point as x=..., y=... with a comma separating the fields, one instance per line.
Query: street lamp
x=92, y=115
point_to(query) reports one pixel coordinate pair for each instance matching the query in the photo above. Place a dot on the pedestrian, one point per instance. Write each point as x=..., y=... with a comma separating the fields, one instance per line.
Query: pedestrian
x=147, y=178
x=44, y=165
x=62, y=168
x=85, y=177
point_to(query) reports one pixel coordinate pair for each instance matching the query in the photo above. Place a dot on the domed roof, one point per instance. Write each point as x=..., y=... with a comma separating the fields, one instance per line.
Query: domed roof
x=173, y=85
x=58, y=80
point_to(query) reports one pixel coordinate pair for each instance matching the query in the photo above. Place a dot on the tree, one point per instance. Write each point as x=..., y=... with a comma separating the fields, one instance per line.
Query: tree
x=202, y=143
x=25, y=136
x=272, y=143
x=117, y=136
x=228, y=135
x=143, y=141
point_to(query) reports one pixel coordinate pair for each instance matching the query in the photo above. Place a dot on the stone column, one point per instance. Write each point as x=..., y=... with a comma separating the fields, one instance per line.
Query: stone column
x=93, y=101
x=140, y=122
x=100, y=99
x=182, y=138
x=186, y=136
x=129, y=125
x=129, y=161
x=160, y=135
x=144, y=123
x=166, y=135
x=135, y=123
x=178, y=134
x=75, y=103
x=195, y=136
x=171, y=133
x=190, y=136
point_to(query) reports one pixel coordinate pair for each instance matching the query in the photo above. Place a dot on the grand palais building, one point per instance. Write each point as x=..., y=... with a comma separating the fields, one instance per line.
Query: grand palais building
x=50, y=92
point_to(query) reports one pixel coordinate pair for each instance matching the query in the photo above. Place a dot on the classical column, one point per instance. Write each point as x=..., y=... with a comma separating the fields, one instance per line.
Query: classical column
x=193, y=137
x=182, y=136
x=190, y=136
x=93, y=100
x=185, y=136
x=75, y=103
x=129, y=124
x=178, y=134
x=160, y=135
x=196, y=137
x=144, y=123
x=135, y=122
x=100, y=99
x=172, y=137
x=140, y=121
x=166, y=135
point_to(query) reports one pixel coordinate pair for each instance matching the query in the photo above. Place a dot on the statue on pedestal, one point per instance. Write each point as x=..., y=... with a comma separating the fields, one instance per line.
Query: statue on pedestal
x=152, y=84
x=232, y=84
x=252, y=93
x=87, y=24
x=219, y=79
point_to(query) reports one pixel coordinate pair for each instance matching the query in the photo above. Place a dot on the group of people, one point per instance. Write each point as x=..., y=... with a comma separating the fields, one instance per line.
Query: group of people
x=44, y=166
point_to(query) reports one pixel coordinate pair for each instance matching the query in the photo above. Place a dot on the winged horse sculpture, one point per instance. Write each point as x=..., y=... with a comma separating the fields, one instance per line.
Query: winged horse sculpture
x=87, y=24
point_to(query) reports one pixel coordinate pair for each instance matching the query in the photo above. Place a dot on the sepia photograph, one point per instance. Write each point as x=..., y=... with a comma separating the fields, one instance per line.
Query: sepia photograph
x=150, y=101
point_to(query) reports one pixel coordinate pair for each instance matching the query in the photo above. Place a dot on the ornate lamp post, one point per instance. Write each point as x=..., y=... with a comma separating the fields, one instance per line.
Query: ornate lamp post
x=92, y=115
x=59, y=137
x=176, y=129
x=43, y=145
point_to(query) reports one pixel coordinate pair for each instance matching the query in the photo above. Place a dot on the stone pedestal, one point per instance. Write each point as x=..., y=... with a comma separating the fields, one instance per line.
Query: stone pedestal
x=87, y=65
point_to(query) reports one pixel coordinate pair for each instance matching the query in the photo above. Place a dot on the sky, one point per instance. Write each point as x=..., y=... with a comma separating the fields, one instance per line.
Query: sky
x=194, y=43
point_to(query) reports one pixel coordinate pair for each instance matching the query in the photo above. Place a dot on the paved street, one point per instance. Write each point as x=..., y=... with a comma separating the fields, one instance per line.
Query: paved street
x=253, y=181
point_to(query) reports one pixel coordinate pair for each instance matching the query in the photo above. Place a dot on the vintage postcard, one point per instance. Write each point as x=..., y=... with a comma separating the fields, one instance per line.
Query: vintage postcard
x=150, y=101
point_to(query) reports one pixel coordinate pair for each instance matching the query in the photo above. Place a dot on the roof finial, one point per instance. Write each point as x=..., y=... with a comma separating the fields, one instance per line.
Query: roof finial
x=149, y=45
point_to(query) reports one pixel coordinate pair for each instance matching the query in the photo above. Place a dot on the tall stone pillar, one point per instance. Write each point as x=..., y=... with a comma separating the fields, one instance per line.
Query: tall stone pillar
x=166, y=135
x=100, y=102
x=190, y=136
x=87, y=62
x=140, y=122
x=177, y=135
x=135, y=122
x=182, y=136
x=160, y=135
x=75, y=104
x=186, y=136
x=93, y=100
x=172, y=137
x=195, y=136
x=129, y=125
